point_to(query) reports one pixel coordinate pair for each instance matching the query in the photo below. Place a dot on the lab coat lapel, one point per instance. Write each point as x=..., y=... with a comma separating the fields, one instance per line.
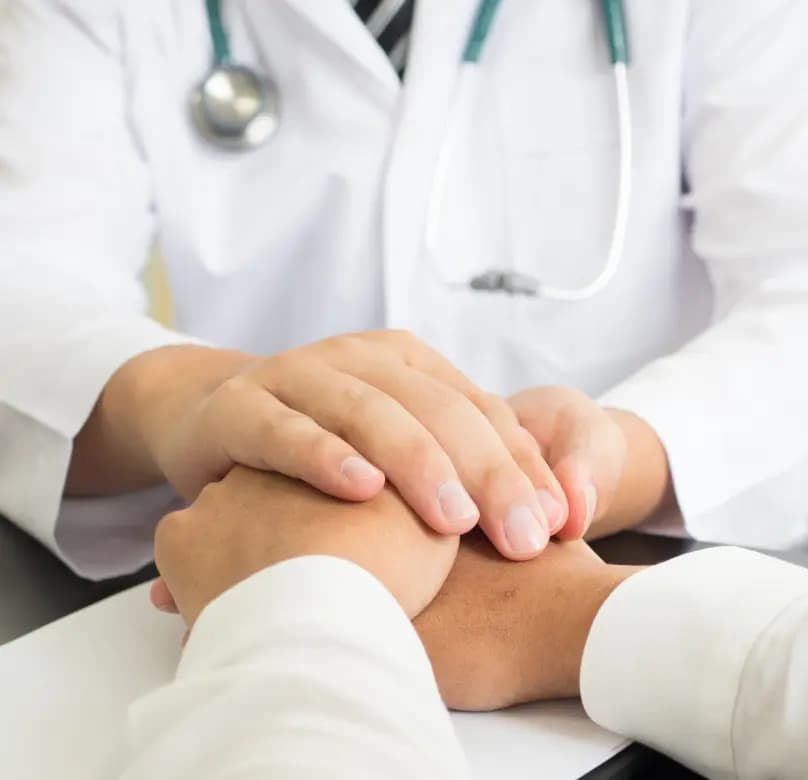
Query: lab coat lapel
x=440, y=32
x=337, y=21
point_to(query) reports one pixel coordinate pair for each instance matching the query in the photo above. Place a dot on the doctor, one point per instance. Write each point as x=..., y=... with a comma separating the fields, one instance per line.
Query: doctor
x=369, y=203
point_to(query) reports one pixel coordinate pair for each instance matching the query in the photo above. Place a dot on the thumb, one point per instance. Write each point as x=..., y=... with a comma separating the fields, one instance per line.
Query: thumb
x=575, y=476
x=587, y=460
x=161, y=598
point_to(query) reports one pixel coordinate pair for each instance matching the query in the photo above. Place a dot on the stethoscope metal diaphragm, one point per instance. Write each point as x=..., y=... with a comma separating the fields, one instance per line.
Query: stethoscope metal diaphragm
x=235, y=108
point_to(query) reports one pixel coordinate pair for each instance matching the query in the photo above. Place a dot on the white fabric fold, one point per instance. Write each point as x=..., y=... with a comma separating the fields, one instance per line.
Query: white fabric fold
x=705, y=658
x=308, y=669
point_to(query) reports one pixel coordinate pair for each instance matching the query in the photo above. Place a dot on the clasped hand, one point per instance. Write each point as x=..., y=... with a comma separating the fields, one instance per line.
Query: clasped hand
x=349, y=413
x=497, y=632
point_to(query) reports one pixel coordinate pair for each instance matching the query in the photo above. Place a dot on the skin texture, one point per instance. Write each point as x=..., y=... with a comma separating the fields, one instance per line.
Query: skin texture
x=500, y=633
x=323, y=414
x=496, y=632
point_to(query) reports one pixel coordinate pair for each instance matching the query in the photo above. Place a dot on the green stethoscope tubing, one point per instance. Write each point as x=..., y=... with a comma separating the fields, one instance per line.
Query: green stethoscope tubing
x=613, y=13
x=614, y=16
x=218, y=34
x=509, y=280
x=616, y=32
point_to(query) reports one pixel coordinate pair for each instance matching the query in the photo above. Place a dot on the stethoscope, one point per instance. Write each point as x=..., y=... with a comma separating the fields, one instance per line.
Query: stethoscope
x=233, y=106
x=236, y=108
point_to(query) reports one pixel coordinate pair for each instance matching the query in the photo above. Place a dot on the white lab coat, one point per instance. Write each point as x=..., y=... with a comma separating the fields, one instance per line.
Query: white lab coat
x=703, y=332
x=704, y=657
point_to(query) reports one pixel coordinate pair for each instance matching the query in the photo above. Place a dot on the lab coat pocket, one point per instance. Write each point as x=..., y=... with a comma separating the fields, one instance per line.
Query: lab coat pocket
x=256, y=217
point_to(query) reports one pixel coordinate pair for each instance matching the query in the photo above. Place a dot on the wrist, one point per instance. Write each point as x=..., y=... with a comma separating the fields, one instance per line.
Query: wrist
x=152, y=389
x=116, y=449
x=593, y=592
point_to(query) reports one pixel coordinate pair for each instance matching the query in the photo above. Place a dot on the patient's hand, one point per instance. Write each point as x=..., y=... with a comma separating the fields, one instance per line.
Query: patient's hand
x=498, y=633
x=251, y=520
x=502, y=633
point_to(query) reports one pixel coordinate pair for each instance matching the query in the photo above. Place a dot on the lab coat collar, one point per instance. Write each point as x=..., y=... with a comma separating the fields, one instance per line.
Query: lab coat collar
x=440, y=33
x=337, y=21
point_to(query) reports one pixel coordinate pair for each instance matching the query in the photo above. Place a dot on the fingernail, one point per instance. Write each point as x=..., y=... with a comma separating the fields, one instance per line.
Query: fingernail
x=358, y=470
x=524, y=531
x=456, y=503
x=165, y=606
x=553, y=510
x=591, y=497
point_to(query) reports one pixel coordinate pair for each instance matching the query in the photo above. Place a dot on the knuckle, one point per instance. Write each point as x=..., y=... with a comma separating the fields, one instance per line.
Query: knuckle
x=572, y=393
x=230, y=392
x=278, y=425
x=499, y=474
x=272, y=372
x=359, y=403
x=422, y=454
x=491, y=405
x=342, y=347
x=206, y=500
x=407, y=343
x=403, y=336
x=568, y=398
x=454, y=405
x=279, y=436
x=170, y=529
x=237, y=384
x=357, y=394
x=277, y=365
x=304, y=440
x=525, y=451
x=320, y=449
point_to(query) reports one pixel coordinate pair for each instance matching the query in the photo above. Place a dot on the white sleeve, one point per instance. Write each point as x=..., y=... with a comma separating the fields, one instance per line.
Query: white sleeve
x=705, y=658
x=76, y=222
x=727, y=405
x=309, y=669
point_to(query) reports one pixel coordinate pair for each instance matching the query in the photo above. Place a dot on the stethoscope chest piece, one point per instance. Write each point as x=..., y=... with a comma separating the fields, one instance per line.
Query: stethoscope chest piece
x=235, y=108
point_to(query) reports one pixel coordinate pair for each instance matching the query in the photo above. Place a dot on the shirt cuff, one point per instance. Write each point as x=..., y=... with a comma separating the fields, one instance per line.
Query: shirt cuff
x=306, y=596
x=666, y=653
x=678, y=422
x=39, y=427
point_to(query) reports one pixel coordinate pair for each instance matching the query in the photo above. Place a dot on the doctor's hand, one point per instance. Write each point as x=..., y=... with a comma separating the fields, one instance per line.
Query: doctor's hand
x=610, y=463
x=501, y=633
x=252, y=520
x=343, y=415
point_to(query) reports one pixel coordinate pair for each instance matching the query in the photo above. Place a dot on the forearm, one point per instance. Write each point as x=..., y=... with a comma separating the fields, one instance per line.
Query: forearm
x=113, y=452
x=645, y=486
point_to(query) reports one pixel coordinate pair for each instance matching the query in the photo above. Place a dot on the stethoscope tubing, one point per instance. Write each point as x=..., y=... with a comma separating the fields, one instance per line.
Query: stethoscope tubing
x=509, y=280
x=262, y=127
